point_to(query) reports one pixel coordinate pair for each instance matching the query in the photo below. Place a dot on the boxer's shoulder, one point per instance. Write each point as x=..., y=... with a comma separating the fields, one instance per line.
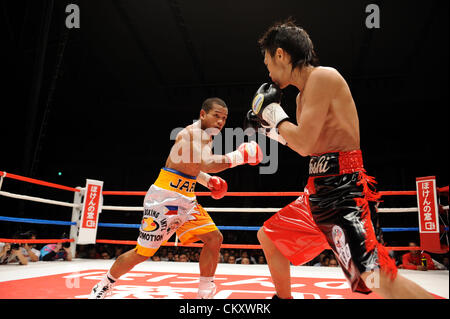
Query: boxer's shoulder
x=193, y=132
x=325, y=74
x=323, y=77
x=325, y=71
x=184, y=134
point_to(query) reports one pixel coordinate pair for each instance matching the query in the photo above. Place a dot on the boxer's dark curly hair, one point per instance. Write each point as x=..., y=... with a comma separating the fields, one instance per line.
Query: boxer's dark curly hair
x=292, y=39
x=208, y=103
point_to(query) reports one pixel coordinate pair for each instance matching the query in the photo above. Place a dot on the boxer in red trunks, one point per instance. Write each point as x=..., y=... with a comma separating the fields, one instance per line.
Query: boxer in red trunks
x=334, y=212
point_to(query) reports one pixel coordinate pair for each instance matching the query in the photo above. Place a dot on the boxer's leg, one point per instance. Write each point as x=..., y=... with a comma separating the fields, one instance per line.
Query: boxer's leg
x=290, y=236
x=279, y=266
x=397, y=288
x=209, y=258
x=341, y=210
x=209, y=255
x=202, y=227
x=125, y=262
x=122, y=265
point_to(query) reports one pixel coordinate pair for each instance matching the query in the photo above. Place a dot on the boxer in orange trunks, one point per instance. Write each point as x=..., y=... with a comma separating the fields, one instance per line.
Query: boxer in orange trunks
x=334, y=212
x=170, y=204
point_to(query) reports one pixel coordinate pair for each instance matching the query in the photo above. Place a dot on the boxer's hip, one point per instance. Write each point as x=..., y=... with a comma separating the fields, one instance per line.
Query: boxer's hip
x=337, y=185
x=333, y=213
x=171, y=194
x=339, y=195
x=336, y=179
x=175, y=181
x=335, y=163
x=167, y=205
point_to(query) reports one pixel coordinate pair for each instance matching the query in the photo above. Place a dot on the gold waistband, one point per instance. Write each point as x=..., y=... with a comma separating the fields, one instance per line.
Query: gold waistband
x=175, y=181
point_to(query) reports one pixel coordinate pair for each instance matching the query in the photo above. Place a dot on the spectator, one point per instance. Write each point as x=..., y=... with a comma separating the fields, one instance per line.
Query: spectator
x=333, y=263
x=220, y=258
x=28, y=250
x=164, y=254
x=183, y=258
x=323, y=260
x=81, y=251
x=156, y=258
x=226, y=255
x=231, y=259
x=57, y=251
x=261, y=260
x=244, y=254
x=195, y=257
x=118, y=250
x=92, y=252
x=21, y=253
x=11, y=253
x=245, y=261
x=416, y=260
x=105, y=254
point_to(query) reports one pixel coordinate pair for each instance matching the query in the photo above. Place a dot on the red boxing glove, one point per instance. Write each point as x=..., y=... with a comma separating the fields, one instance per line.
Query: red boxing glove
x=247, y=153
x=218, y=187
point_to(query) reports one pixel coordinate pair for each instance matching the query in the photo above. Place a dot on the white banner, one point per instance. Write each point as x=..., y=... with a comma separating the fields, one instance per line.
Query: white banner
x=92, y=207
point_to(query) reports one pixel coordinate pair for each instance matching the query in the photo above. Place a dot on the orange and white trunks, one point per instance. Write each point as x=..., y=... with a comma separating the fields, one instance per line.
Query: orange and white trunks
x=170, y=206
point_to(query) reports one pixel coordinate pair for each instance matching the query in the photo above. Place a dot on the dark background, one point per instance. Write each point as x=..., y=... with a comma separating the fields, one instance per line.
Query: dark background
x=100, y=101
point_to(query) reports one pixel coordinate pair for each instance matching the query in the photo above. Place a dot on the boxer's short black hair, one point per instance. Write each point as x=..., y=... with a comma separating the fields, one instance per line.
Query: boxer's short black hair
x=292, y=39
x=208, y=103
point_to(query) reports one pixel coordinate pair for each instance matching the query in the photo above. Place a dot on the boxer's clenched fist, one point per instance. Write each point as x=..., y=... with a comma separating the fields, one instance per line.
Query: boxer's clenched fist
x=266, y=105
x=247, y=153
x=218, y=187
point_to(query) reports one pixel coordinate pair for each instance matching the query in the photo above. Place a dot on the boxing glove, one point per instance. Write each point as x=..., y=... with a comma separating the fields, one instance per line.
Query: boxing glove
x=252, y=121
x=266, y=105
x=246, y=153
x=218, y=187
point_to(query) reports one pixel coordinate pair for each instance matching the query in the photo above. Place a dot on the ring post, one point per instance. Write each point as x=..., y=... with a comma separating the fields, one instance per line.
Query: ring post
x=76, y=215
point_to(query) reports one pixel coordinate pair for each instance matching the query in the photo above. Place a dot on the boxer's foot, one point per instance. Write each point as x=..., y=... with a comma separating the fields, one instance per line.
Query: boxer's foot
x=101, y=290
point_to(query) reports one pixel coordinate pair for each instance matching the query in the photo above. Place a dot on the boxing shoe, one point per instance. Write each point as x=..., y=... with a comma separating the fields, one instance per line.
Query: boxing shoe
x=101, y=290
x=206, y=290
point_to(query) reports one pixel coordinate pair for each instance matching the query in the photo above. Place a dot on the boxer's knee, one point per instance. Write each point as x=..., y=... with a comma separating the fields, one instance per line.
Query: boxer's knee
x=261, y=236
x=213, y=239
x=265, y=241
x=217, y=239
x=267, y=244
x=132, y=257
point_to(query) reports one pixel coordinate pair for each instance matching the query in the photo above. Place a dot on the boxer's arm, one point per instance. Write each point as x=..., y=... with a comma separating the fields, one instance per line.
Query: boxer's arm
x=203, y=178
x=253, y=122
x=246, y=153
x=273, y=134
x=218, y=186
x=191, y=147
x=318, y=94
x=210, y=163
